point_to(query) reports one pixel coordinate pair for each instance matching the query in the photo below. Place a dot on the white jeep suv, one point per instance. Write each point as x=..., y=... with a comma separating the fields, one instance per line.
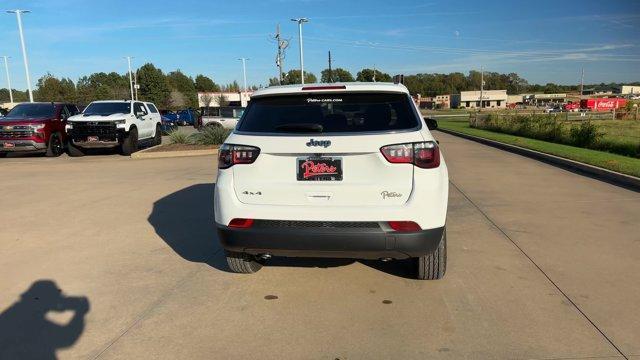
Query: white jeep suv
x=332, y=170
x=114, y=123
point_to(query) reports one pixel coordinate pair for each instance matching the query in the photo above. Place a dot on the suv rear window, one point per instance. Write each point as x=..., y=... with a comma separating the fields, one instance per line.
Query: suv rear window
x=329, y=113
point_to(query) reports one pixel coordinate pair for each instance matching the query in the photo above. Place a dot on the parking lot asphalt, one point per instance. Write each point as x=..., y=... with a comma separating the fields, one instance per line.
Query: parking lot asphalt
x=543, y=264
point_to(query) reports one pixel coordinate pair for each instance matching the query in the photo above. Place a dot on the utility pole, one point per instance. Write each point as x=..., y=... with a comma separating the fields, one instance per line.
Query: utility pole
x=135, y=83
x=300, y=21
x=374, y=72
x=244, y=72
x=130, y=76
x=6, y=69
x=24, y=50
x=581, y=83
x=481, y=87
x=330, y=71
x=282, y=45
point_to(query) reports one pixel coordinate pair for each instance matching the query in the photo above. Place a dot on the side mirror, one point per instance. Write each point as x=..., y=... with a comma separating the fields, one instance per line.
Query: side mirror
x=139, y=114
x=432, y=124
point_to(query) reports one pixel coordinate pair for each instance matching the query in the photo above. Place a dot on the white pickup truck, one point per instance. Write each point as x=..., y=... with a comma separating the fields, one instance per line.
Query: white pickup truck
x=114, y=123
x=226, y=117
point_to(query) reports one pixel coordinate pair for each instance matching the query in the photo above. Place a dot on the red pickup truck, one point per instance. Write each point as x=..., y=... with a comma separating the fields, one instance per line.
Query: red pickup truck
x=35, y=127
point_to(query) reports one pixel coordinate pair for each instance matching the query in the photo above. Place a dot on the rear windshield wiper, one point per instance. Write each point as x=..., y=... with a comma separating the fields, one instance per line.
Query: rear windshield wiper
x=300, y=127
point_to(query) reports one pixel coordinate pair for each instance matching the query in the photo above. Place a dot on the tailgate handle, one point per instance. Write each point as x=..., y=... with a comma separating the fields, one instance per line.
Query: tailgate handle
x=319, y=196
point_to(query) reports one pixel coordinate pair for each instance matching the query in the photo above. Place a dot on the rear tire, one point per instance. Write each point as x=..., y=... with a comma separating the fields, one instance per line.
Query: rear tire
x=157, y=140
x=55, y=147
x=433, y=266
x=130, y=143
x=74, y=151
x=242, y=263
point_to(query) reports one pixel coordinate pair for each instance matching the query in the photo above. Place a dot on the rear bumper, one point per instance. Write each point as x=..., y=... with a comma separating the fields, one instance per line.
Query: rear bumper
x=22, y=145
x=339, y=243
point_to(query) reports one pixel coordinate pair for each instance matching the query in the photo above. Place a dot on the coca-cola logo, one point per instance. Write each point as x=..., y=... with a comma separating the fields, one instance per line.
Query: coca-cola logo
x=312, y=168
x=606, y=104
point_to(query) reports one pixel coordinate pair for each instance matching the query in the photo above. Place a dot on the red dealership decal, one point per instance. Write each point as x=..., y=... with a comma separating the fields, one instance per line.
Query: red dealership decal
x=315, y=169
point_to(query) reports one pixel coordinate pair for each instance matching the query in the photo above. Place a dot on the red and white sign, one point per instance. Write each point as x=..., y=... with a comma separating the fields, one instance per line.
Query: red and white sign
x=603, y=104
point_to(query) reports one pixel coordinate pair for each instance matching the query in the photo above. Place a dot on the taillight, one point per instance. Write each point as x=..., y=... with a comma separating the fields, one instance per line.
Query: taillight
x=241, y=223
x=229, y=155
x=425, y=155
x=404, y=226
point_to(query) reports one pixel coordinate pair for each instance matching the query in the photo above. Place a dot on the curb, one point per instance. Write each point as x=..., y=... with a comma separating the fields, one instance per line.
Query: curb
x=608, y=176
x=147, y=154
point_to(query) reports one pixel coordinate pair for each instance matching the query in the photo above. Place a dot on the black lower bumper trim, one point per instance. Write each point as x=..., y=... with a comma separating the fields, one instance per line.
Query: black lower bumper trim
x=342, y=243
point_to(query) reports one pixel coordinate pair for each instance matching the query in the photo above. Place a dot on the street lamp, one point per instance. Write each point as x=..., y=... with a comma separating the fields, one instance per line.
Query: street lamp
x=130, y=78
x=244, y=71
x=300, y=21
x=24, y=50
x=6, y=68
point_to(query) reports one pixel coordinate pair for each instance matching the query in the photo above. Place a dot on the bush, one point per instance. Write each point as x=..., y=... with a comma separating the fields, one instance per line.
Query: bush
x=178, y=137
x=584, y=135
x=212, y=135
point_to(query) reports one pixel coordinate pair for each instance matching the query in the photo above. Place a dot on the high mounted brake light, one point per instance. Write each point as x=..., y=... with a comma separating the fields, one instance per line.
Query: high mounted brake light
x=331, y=87
x=229, y=155
x=424, y=155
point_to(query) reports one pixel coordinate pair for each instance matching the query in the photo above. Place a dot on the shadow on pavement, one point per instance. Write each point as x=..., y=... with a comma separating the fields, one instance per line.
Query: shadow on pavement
x=185, y=221
x=25, y=331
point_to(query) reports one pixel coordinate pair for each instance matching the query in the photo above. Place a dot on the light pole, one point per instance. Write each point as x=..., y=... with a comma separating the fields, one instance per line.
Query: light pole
x=130, y=78
x=244, y=71
x=6, y=69
x=300, y=21
x=24, y=50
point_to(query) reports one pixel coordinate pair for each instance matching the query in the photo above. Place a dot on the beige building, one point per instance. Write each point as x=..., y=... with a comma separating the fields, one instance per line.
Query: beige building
x=630, y=90
x=471, y=99
x=212, y=99
x=442, y=101
x=515, y=99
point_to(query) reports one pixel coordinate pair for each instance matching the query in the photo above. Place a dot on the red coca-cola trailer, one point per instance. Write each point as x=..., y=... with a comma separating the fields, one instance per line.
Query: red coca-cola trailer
x=603, y=104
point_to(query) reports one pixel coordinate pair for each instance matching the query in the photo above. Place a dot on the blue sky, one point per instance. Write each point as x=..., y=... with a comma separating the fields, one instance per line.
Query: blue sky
x=544, y=41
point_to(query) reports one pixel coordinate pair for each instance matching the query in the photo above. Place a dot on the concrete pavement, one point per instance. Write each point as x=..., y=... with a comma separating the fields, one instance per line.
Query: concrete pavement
x=543, y=264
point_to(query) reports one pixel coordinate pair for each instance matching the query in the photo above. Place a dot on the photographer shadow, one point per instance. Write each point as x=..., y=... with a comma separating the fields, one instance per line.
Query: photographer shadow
x=25, y=331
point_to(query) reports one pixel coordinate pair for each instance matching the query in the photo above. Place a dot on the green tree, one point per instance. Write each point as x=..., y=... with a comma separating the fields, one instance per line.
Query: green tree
x=50, y=88
x=184, y=85
x=293, y=77
x=274, y=81
x=367, y=75
x=336, y=75
x=205, y=84
x=153, y=85
x=232, y=87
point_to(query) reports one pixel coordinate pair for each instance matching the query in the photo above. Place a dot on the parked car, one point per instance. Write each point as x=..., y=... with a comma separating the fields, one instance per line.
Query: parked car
x=333, y=171
x=187, y=117
x=168, y=125
x=228, y=118
x=170, y=116
x=553, y=109
x=114, y=124
x=35, y=127
x=571, y=107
